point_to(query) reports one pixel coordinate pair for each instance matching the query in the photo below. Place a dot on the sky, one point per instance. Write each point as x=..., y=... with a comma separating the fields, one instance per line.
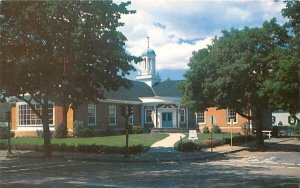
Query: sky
x=178, y=27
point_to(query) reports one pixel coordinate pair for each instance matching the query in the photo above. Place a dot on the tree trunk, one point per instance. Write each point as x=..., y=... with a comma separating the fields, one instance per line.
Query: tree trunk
x=259, y=127
x=47, y=133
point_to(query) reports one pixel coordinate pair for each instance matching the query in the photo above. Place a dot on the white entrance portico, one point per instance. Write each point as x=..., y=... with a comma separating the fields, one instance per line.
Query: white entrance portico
x=165, y=112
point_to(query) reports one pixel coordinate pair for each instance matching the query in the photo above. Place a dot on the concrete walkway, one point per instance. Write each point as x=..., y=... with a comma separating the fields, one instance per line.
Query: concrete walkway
x=167, y=144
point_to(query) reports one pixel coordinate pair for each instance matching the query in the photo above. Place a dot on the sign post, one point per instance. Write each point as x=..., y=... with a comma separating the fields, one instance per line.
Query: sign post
x=211, y=133
x=231, y=124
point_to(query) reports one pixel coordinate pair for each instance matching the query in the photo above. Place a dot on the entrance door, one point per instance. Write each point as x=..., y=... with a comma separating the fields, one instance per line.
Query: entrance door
x=167, y=119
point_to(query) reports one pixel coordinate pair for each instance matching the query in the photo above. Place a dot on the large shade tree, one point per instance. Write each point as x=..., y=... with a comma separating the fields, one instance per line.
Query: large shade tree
x=239, y=71
x=68, y=51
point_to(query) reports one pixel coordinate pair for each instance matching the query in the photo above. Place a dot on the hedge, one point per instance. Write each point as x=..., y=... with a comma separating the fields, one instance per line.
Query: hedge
x=137, y=149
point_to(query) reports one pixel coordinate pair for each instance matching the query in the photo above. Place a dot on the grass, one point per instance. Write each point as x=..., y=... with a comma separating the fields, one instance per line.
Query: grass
x=134, y=139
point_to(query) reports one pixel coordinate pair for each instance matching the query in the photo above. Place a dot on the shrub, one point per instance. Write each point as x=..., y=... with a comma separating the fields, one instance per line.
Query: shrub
x=77, y=128
x=61, y=131
x=135, y=129
x=246, y=128
x=216, y=129
x=187, y=147
x=205, y=129
x=81, y=131
x=109, y=131
x=4, y=133
x=40, y=133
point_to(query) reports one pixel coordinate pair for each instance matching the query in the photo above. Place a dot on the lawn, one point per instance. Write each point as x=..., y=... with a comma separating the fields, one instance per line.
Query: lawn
x=134, y=139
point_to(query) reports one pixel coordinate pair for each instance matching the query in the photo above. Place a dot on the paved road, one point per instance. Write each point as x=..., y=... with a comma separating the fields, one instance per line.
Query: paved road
x=234, y=170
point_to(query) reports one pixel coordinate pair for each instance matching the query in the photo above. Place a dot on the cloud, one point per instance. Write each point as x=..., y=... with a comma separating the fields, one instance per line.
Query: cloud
x=177, y=28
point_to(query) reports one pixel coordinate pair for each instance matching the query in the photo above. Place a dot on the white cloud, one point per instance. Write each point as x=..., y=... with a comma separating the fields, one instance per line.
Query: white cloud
x=186, y=21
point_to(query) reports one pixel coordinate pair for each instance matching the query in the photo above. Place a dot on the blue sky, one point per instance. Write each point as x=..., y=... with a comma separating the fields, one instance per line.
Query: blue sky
x=178, y=27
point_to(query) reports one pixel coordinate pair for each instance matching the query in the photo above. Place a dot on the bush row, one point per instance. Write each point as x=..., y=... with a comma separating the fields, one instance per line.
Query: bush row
x=215, y=129
x=137, y=149
x=190, y=146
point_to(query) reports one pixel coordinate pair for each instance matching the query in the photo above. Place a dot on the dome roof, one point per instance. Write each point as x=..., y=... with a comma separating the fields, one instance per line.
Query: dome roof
x=148, y=51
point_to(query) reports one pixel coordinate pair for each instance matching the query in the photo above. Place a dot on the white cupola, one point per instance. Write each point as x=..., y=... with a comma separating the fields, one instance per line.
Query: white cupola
x=147, y=68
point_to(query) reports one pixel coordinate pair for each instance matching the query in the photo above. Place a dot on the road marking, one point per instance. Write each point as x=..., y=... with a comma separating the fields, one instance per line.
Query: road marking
x=288, y=163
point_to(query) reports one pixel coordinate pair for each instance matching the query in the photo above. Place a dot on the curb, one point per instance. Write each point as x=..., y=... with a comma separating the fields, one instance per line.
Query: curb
x=120, y=158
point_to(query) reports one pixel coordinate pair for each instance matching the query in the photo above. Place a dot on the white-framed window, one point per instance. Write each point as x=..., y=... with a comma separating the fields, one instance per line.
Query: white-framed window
x=148, y=115
x=28, y=118
x=292, y=120
x=273, y=119
x=231, y=114
x=112, y=115
x=130, y=120
x=91, y=114
x=182, y=115
x=200, y=117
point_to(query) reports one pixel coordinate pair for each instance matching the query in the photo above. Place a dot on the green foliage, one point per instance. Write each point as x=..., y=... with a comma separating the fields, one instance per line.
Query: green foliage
x=187, y=147
x=137, y=149
x=216, y=129
x=109, y=131
x=205, y=129
x=79, y=130
x=135, y=129
x=61, y=131
x=248, y=69
x=4, y=133
x=60, y=49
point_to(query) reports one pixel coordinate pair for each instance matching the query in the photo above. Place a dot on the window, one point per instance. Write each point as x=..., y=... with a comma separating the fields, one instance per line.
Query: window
x=91, y=114
x=292, y=120
x=130, y=120
x=273, y=119
x=231, y=114
x=182, y=115
x=148, y=116
x=112, y=115
x=200, y=117
x=28, y=117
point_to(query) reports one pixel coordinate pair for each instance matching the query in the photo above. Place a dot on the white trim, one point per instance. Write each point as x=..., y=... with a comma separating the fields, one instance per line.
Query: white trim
x=33, y=128
x=160, y=100
x=119, y=101
x=184, y=115
x=204, y=115
x=115, y=115
x=95, y=111
x=131, y=117
x=236, y=117
x=32, y=125
x=146, y=115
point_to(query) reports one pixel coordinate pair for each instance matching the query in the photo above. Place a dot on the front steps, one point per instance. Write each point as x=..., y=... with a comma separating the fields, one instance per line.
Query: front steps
x=170, y=130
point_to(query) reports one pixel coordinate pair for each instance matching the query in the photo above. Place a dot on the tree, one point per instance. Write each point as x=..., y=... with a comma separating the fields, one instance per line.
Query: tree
x=69, y=51
x=237, y=71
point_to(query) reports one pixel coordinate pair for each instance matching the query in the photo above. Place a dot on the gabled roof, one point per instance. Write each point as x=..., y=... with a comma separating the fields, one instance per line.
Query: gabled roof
x=167, y=88
x=138, y=89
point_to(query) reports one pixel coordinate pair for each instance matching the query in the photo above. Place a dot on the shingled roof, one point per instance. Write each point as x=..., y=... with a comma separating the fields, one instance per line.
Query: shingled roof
x=138, y=89
x=167, y=88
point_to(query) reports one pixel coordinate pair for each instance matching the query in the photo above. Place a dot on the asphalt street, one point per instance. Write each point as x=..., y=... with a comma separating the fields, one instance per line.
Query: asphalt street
x=240, y=169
